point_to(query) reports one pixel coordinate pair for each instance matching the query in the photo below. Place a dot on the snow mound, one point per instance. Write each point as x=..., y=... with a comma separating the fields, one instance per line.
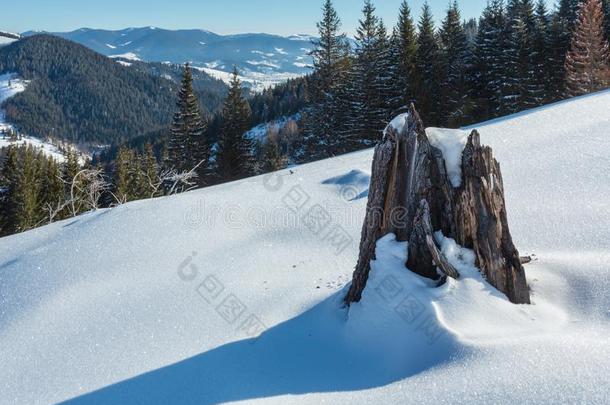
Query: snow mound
x=451, y=142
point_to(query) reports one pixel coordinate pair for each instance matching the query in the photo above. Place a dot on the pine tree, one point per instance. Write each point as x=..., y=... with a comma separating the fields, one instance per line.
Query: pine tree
x=427, y=69
x=606, y=5
x=405, y=47
x=489, y=57
x=328, y=101
x=560, y=36
x=188, y=146
x=530, y=91
x=515, y=41
x=71, y=168
x=150, y=171
x=370, y=85
x=137, y=181
x=122, y=175
x=588, y=61
x=273, y=158
x=52, y=188
x=453, y=94
x=471, y=29
x=26, y=191
x=235, y=150
x=10, y=200
x=398, y=92
x=540, y=45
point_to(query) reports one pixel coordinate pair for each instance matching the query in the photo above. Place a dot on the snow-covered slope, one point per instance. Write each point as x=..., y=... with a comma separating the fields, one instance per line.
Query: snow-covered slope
x=233, y=292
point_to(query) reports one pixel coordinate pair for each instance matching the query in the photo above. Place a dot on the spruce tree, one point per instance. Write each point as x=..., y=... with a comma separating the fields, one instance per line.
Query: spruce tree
x=588, y=61
x=399, y=88
x=273, y=158
x=453, y=93
x=52, y=188
x=515, y=41
x=560, y=37
x=470, y=64
x=489, y=59
x=137, y=181
x=531, y=87
x=606, y=5
x=370, y=85
x=150, y=171
x=71, y=167
x=10, y=200
x=427, y=74
x=235, y=150
x=122, y=175
x=26, y=191
x=405, y=47
x=188, y=146
x=330, y=55
x=540, y=45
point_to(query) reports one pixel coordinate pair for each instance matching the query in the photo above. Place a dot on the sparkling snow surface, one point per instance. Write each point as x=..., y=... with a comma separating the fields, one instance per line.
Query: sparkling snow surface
x=155, y=302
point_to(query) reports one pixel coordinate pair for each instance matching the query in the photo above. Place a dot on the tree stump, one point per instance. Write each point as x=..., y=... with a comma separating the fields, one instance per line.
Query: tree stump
x=411, y=196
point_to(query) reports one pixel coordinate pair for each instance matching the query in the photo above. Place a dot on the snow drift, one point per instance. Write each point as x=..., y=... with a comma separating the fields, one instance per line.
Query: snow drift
x=234, y=292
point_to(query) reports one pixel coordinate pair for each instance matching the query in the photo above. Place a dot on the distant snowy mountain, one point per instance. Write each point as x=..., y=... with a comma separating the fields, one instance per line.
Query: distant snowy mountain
x=8, y=37
x=262, y=59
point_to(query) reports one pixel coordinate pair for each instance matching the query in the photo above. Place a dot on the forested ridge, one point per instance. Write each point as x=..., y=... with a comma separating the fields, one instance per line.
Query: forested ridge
x=78, y=95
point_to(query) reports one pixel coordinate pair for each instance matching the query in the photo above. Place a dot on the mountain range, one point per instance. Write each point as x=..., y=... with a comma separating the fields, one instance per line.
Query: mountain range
x=262, y=59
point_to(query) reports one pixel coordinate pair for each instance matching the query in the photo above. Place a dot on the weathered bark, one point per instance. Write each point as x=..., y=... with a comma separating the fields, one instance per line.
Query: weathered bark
x=374, y=220
x=482, y=225
x=411, y=196
x=425, y=253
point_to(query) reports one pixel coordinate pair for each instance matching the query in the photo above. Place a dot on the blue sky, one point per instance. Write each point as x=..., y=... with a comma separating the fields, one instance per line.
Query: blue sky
x=221, y=16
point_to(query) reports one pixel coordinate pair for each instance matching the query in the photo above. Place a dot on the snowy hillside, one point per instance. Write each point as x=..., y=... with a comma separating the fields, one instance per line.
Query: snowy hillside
x=234, y=292
x=10, y=85
x=262, y=59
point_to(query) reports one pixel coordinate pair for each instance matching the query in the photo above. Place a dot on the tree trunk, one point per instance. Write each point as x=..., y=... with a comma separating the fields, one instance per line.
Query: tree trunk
x=411, y=196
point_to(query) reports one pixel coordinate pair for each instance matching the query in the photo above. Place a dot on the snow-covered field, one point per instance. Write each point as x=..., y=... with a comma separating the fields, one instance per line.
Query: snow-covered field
x=255, y=81
x=233, y=293
x=127, y=55
x=7, y=91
